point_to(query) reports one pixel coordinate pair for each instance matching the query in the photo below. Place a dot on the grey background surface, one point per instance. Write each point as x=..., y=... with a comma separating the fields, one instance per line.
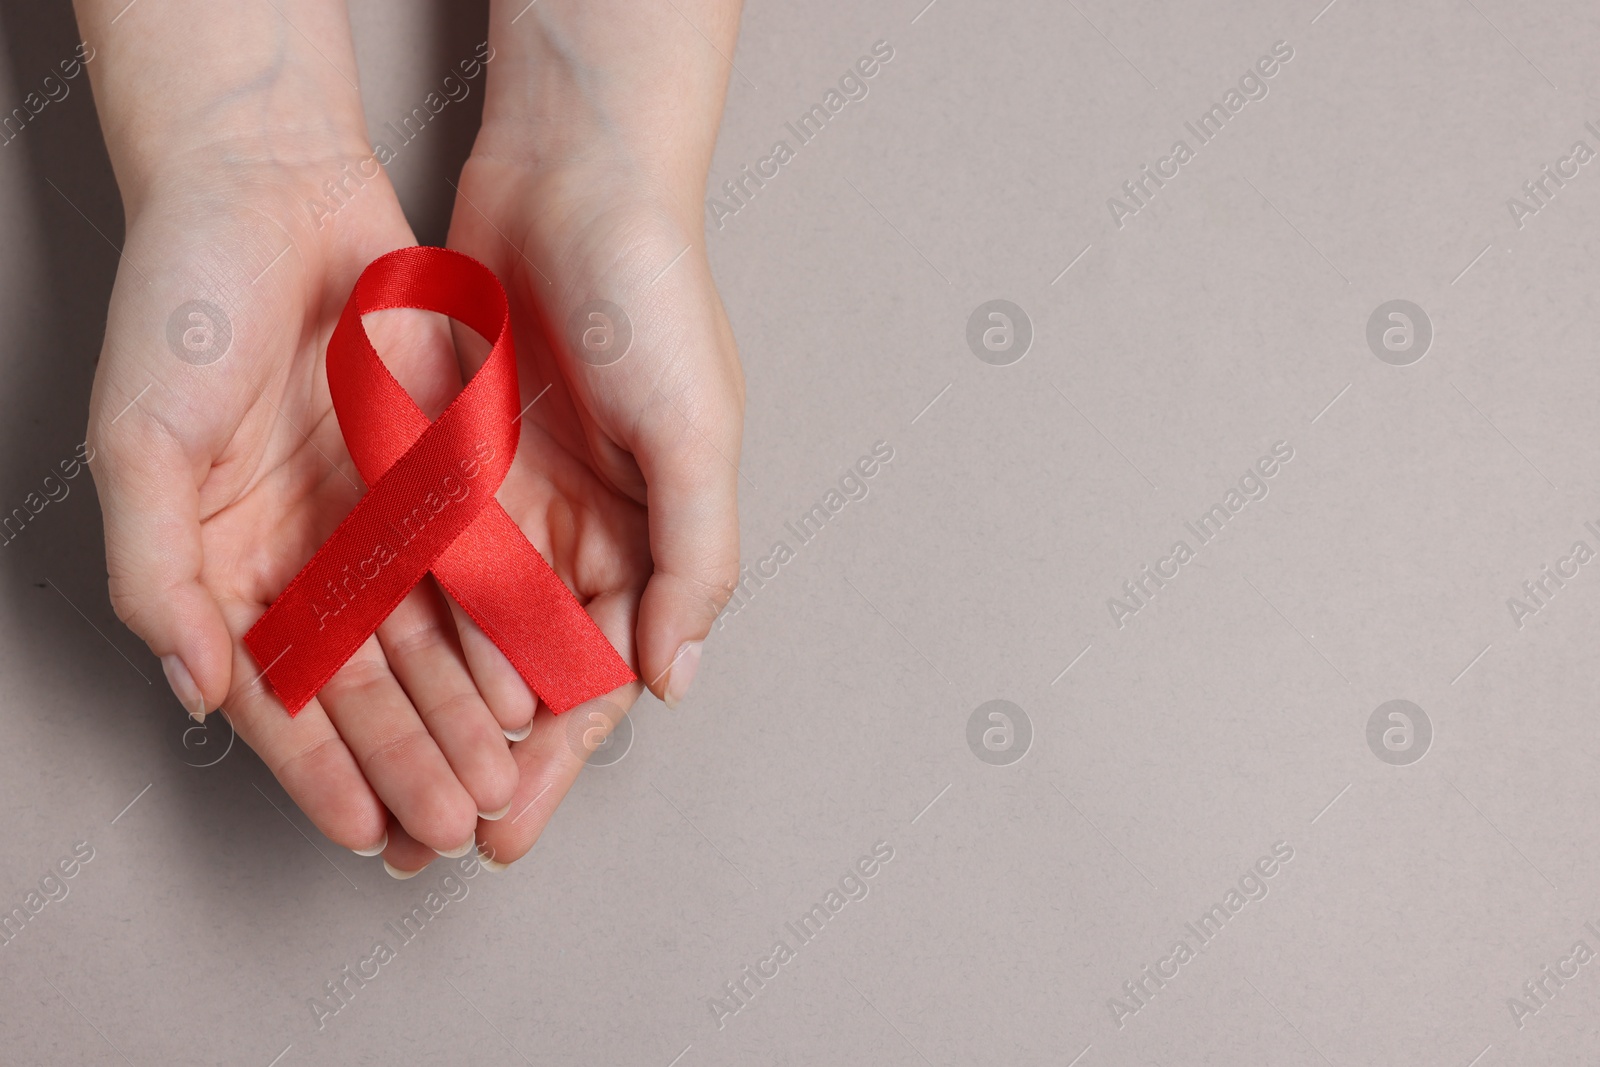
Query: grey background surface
x=1167, y=755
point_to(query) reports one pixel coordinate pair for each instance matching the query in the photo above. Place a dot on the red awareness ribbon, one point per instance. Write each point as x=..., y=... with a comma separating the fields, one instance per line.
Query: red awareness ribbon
x=430, y=507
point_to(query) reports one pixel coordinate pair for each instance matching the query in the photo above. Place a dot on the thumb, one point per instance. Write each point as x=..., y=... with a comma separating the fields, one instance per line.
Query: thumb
x=689, y=462
x=151, y=510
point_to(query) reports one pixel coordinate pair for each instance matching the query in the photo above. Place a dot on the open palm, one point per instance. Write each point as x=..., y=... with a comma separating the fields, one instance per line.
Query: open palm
x=626, y=475
x=221, y=471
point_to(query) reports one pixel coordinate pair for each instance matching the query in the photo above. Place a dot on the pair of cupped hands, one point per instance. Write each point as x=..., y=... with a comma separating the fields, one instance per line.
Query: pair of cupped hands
x=219, y=480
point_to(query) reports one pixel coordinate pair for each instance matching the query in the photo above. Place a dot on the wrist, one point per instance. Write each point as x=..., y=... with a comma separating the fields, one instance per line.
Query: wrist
x=636, y=93
x=282, y=158
x=185, y=98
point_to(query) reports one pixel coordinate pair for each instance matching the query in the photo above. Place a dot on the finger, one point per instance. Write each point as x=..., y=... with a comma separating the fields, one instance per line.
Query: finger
x=689, y=459
x=432, y=356
x=383, y=731
x=405, y=856
x=686, y=443
x=501, y=687
x=419, y=641
x=305, y=753
x=554, y=753
x=415, y=346
x=151, y=510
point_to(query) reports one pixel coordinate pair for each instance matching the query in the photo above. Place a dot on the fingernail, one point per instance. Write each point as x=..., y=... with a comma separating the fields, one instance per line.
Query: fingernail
x=457, y=853
x=684, y=665
x=493, y=816
x=375, y=849
x=494, y=866
x=183, y=687
x=519, y=735
x=396, y=872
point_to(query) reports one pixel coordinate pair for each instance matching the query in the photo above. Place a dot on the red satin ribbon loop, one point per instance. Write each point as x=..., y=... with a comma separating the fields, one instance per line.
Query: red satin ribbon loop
x=430, y=507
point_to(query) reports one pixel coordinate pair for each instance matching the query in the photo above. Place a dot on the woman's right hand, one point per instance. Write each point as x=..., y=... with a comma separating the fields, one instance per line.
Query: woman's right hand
x=253, y=203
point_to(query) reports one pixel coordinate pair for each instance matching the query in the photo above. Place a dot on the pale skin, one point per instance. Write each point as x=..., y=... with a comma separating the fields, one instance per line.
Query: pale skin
x=220, y=481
